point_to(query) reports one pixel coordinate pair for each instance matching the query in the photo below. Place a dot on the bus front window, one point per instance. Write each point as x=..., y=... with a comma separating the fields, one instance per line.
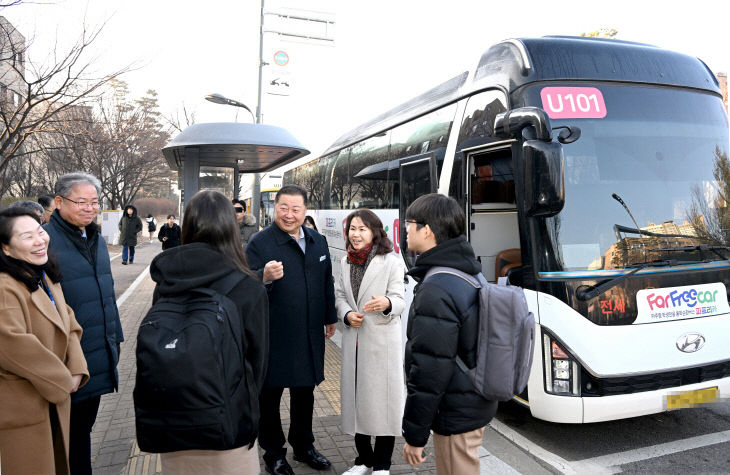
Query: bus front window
x=664, y=153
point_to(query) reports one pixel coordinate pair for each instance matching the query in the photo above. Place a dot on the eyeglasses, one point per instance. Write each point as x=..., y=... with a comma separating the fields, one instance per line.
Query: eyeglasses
x=238, y=210
x=409, y=221
x=83, y=204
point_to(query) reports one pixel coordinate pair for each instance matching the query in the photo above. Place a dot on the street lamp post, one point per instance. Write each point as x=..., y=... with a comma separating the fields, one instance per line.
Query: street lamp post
x=256, y=190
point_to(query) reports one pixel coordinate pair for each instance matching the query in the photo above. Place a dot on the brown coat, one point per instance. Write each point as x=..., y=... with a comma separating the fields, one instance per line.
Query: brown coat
x=40, y=350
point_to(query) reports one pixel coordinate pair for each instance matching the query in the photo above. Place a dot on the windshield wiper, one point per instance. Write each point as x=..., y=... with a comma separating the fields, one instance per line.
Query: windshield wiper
x=702, y=248
x=587, y=292
x=617, y=228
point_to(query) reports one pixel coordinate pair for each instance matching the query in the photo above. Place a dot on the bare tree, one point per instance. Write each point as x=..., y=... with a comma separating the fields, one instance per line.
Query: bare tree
x=34, y=96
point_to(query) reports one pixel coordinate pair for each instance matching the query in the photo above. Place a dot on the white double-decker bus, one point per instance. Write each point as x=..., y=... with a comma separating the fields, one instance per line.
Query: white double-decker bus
x=594, y=175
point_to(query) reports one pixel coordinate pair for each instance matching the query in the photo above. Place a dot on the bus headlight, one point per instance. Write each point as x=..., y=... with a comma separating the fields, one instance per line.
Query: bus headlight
x=562, y=375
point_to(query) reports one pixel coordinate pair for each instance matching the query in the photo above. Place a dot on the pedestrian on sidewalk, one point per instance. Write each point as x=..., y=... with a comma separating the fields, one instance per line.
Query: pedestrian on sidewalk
x=246, y=222
x=169, y=233
x=211, y=252
x=88, y=287
x=151, y=226
x=442, y=324
x=130, y=226
x=41, y=360
x=294, y=262
x=369, y=299
x=48, y=207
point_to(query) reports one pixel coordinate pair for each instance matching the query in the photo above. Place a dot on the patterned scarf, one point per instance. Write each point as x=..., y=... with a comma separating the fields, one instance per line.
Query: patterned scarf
x=358, y=257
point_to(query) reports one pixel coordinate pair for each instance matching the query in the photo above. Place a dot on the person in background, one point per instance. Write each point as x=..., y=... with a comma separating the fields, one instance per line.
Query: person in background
x=48, y=207
x=246, y=222
x=151, y=226
x=41, y=361
x=211, y=251
x=309, y=222
x=169, y=233
x=369, y=300
x=29, y=205
x=88, y=288
x=442, y=324
x=294, y=262
x=130, y=225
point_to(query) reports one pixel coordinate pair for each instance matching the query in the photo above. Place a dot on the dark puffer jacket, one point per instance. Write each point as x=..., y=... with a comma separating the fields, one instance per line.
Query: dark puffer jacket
x=88, y=287
x=183, y=268
x=442, y=324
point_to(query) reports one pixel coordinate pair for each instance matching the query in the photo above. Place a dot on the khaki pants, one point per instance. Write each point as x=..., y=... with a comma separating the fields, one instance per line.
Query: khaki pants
x=458, y=454
x=240, y=461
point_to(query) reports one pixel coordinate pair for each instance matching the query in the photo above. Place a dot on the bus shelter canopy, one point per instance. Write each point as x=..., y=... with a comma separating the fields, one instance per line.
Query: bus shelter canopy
x=252, y=148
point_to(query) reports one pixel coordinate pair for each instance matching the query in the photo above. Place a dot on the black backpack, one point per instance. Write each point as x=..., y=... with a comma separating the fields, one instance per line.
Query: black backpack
x=194, y=389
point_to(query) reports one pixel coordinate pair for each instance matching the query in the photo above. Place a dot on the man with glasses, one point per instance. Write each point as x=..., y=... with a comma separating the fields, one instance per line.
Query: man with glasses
x=88, y=288
x=246, y=222
x=294, y=263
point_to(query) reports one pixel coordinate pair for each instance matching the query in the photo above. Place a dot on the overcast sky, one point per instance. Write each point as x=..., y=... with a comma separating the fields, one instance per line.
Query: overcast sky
x=385, y=51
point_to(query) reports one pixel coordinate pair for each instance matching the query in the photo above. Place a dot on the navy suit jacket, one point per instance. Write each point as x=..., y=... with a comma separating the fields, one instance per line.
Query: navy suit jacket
x=300, y=304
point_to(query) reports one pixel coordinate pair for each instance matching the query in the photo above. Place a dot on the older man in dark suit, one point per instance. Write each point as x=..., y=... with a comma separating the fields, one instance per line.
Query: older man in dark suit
x=294, y=263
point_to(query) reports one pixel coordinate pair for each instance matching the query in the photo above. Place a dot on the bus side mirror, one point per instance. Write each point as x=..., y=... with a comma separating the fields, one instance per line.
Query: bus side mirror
x=544, y=178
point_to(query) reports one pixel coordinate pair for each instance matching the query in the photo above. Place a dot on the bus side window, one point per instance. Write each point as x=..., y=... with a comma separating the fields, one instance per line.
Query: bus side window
x=492, y=179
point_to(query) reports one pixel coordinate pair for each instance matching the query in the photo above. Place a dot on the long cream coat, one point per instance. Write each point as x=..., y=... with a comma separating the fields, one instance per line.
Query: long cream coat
x=40, y=350
x=372, y=355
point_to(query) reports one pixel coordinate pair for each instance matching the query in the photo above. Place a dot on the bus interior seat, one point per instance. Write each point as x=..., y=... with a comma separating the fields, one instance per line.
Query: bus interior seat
x=507, y=260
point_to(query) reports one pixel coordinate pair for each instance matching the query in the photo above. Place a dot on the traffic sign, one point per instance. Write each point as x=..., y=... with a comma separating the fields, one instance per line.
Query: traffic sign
x=281, y=58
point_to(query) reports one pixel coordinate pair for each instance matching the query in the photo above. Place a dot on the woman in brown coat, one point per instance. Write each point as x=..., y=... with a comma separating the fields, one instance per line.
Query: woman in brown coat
x=41, y=362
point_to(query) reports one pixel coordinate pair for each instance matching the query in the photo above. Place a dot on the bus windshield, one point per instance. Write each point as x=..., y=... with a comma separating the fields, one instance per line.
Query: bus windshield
x=664, y=153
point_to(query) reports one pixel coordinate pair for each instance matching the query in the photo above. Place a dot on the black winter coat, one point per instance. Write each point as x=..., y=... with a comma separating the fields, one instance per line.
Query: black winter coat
x=88, y=288
x=129, y=226
x=300, y=304
x=172, y=233
x=196, y=265
x=443, y=323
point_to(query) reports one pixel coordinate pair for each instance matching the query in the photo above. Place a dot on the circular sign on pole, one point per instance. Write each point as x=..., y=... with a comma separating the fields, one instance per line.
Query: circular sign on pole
x=281, y=58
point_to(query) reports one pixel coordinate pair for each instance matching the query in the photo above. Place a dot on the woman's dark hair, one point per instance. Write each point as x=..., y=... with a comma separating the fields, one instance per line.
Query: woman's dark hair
x=310, y=220
x=442, y=214
x=291, y=190
x=209, y=218
x=170, y=216
x=17, y=269
x=381, y=243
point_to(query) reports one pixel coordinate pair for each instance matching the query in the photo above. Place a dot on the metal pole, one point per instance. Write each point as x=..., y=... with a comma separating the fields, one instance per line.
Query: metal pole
x=256, y=191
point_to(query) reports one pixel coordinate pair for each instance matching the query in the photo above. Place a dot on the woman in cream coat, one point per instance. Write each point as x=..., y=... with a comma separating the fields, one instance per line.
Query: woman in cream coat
x=41, y=361
x=369, y=300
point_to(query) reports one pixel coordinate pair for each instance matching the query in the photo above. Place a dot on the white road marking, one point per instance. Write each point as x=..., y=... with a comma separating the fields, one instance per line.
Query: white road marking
x=115, y=256
x=131, y=288
x=555, y=461
x=659, y=450
x=492, y=465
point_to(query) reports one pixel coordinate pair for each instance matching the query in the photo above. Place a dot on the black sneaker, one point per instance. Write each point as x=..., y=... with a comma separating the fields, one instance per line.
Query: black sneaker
x=124, y=263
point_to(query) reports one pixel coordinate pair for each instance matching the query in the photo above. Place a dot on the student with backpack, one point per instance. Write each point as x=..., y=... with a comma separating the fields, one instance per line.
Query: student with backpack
x=442, y=325
x=202, y=349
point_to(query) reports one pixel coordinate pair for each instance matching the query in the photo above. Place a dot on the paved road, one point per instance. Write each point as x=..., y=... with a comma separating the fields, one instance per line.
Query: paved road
x=691, y=440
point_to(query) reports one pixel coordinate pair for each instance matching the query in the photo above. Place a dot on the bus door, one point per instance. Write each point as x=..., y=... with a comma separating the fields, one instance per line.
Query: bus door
x=417, y=177
x=492, y=228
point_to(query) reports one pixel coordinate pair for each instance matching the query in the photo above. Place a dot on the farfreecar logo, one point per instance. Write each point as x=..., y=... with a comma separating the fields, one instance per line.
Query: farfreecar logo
x=675, y=298
x=677, y=303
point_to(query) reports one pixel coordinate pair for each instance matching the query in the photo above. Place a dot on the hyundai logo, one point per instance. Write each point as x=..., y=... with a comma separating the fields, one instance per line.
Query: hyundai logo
x=690, y=342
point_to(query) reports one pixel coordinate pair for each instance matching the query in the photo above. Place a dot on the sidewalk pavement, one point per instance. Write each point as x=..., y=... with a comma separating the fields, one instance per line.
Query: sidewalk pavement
x=115, y=451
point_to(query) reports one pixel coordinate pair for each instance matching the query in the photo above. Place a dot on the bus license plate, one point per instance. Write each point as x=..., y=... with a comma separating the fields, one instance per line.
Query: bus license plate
x=685, y=399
